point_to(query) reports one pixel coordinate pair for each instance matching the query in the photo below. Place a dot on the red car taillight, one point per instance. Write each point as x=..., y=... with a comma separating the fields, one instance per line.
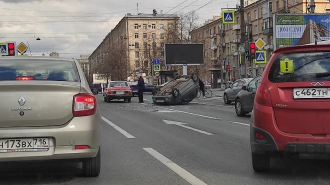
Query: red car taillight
x=24, y=78
x=263, y=95
x=83, y=105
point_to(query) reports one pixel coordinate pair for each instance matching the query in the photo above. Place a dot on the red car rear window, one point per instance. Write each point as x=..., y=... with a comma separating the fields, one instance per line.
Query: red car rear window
x=300, y=67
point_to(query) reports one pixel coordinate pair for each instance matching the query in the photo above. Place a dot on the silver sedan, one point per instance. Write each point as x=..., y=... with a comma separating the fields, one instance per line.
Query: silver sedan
x=48, y=112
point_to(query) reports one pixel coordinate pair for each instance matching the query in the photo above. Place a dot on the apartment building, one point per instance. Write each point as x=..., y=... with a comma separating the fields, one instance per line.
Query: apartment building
x=83, y=61
x=258, y=18
x=140, y=39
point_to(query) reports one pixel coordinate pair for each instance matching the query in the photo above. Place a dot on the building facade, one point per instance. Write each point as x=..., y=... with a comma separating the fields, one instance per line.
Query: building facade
x=131, y=47
x=221, y=41
x=84, y=64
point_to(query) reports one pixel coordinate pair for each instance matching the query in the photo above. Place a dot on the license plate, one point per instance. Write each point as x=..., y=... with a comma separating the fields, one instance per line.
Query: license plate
x=119, y=92
x=24, y=145
x=311, y=93
x=159, y=100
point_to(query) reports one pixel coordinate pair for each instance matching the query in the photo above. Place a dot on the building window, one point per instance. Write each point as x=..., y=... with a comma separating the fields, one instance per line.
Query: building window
x=170, y=26
x=145, y=35
x=137, y=45
x=255, y=14
x=145, y=45
x=153, y=26
x=161, y=26
x=145, y=54
x=256, y=29
x=327, y=10
x=277, y=6
x=153, y=35
x=145, y=63
x=136, y=26
x=162, y=36
x=144, y=26
x=137, y=54
x=137, y=63
x=249, y=17
x=136, y=35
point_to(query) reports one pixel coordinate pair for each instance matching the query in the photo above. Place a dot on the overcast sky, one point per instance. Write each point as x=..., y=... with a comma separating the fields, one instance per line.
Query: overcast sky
x=75, y=27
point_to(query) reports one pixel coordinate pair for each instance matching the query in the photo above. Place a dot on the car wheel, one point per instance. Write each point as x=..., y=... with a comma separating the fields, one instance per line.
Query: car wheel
x=238, y=108
x=175, y=93
x=225, y=99
x=194, y=77
x=129, y=100
x=105, y=99
x=108, y=99
x=260, y=162
x=92, y=166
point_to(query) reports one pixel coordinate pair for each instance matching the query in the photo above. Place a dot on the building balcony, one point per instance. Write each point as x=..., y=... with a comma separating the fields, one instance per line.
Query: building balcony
x=267, y=15
x=213, y=35
x=214, y=58
x=269, y=47
x=237, y=41
x=268, y=31
x=236, y=27
x=214, y=47
x=222, y=32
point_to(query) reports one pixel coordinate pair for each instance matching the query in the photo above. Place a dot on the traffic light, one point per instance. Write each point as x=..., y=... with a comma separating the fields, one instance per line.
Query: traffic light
x=11, y=49
x=252, y=50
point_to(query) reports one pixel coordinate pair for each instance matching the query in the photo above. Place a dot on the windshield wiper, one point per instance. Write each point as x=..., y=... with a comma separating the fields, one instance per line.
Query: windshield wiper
x=311, y=62
x=321, y=75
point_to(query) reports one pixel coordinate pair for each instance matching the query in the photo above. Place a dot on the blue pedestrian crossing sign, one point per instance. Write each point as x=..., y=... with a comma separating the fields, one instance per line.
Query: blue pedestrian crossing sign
x=156, y=67
x=260, y=57
x=228, y=17
x=156, y=61
x=3, y=48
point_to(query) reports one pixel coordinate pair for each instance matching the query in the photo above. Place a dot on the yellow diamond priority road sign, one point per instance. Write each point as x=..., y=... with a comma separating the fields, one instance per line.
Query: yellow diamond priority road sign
x=260, y=43
x=21, y=48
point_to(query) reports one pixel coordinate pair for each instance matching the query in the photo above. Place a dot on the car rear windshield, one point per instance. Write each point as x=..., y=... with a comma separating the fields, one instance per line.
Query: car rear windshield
x=118, y=84
x=300, y=67
x=28, y=69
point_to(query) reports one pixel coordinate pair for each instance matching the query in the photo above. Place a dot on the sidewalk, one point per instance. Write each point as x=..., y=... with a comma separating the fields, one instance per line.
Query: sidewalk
x=217, y=92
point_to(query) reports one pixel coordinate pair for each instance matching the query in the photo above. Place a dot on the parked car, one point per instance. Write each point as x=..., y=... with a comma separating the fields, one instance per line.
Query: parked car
x=133, y=87
x=181, y=90
x=245, y=98
x=149, y=88
x=292, y=105
x=117, y=90
x=230, y=93
x=50, y=116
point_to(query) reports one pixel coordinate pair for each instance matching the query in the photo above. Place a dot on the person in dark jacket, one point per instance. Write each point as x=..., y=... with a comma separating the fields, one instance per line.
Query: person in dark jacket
x=202, y=87
x=140, y=86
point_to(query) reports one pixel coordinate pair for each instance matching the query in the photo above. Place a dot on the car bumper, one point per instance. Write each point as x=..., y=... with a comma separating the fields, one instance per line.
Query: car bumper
x=62, y=140
x=263, y=121
x=116, y=96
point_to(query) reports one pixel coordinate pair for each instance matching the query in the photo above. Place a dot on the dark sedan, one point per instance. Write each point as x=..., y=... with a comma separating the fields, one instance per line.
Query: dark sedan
x=230, y=93
x=245, y=98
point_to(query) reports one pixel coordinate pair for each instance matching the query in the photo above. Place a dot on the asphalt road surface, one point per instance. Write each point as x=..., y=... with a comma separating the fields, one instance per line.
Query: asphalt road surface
x=200, y=143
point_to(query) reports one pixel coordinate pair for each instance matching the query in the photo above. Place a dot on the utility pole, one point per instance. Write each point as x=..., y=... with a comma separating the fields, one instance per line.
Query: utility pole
x=243, y=40
x=312, y=6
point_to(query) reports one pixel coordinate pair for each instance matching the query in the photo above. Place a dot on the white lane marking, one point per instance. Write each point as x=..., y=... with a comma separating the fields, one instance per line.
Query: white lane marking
x=129, y=136
x=209, y=117
x=196, y=102
x=184, y=126
x=174, y=167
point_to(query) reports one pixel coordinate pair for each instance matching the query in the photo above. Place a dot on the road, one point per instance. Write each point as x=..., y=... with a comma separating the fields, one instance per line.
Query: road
x=200, y=143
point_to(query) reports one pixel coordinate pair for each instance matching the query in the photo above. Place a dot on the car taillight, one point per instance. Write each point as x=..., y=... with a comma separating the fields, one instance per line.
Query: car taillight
x=84, y=105
x=81, y=147
x=263, y=95
x=24, y=78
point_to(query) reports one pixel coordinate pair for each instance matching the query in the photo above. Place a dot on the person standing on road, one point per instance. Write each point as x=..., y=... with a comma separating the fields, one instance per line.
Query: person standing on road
x=202, y=87
x=140, y=86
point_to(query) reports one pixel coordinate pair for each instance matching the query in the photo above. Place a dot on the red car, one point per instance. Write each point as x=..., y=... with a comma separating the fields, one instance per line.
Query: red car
x=117, y=90
x=291, y=113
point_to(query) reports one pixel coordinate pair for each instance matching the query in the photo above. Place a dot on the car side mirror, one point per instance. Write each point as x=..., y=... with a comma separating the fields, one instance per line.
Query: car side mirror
x=245, y=88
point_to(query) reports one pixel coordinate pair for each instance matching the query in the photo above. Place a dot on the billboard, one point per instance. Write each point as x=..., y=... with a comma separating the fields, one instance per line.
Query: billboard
x=300, y=29
x=184, y=54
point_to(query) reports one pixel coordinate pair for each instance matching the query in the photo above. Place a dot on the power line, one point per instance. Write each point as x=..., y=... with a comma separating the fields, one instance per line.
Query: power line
x=176, y=6
x=204, y=5
x=186, y=6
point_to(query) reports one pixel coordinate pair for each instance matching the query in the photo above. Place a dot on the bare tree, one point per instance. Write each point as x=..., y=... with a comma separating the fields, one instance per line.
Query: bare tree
x=187, y=23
